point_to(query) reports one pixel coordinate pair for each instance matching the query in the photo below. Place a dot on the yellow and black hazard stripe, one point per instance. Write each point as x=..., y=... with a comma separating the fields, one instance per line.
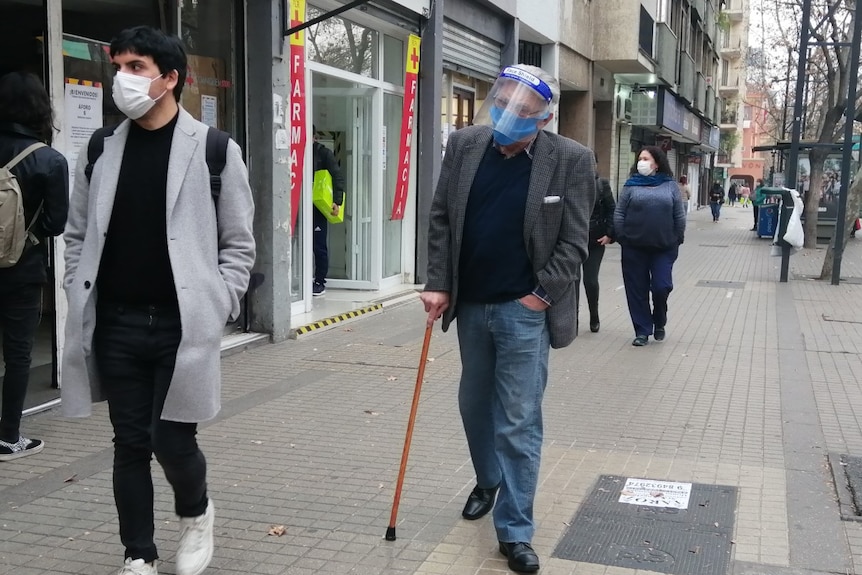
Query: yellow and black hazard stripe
x=308, y=328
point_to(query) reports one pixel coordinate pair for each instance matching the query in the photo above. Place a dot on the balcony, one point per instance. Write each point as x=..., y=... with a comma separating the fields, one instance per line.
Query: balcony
x=734, y=10
x=729, y=87
x=731, y=46
x=728, y=120
x=686, y=78
x=709, y=111
x=700, y=92
x=666, y=53
x=710, y=21
x=722, y=158
x=700, y=7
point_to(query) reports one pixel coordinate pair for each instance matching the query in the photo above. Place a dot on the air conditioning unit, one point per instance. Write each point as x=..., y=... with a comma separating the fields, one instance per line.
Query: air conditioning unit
x=624, y=109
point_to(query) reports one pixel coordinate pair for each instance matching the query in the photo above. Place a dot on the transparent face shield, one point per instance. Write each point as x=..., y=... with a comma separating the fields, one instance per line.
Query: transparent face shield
x=517, y=103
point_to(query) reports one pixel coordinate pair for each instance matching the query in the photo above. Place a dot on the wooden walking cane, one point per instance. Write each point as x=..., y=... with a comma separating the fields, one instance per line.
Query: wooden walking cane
x=390, y=532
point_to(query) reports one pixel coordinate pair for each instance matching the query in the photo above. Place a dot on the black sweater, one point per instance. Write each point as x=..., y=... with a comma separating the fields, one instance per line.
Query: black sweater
x=135, y=267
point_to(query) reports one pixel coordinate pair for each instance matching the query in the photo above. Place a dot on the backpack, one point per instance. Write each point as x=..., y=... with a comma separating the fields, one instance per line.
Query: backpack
x=216, y=154
x=14, y=232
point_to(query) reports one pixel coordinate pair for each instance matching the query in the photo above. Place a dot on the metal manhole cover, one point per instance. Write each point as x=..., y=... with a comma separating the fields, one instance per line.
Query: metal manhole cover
x=653, y=536
x=720, y=284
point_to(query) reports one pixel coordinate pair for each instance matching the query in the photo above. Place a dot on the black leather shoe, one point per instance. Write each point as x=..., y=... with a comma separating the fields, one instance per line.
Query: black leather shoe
x=640, y=340
x=595, y=325
x=659, y=334
x=480, y=502
x=522, y=558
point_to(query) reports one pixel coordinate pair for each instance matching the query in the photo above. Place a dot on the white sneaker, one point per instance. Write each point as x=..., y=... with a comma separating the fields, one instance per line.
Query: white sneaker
x=138, y=567
x=195, y=550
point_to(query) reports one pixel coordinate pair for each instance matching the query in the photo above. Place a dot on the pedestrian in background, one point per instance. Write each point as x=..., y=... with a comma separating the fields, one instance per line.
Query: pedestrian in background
x=756, y=202
x=601, y=234
x=531, y=196
x=716, y=200
x=324, y=159
x=156, y=264
x=744, y=195
x=649, y=223
x=42, y=176
x=685, y=191
x=731, y=194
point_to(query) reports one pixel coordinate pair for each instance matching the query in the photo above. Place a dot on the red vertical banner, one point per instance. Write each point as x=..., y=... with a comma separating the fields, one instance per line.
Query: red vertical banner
x=296, y=108
x=411, y=83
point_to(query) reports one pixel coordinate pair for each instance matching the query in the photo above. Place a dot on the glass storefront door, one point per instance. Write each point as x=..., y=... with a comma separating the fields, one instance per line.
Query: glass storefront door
x=342, y=112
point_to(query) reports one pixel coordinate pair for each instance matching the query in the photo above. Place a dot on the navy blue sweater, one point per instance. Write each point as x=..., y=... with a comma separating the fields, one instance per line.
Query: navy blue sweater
x=650, y=218
x=495, y=266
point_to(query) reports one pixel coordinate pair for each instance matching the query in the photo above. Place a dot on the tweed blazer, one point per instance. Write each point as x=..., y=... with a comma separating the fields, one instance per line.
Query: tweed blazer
x=211, y=250
x=560, y=199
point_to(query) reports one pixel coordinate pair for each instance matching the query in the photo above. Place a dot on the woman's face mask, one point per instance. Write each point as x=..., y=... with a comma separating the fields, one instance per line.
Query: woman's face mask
x=645, y=167
x=132, y=94
x=510, y=128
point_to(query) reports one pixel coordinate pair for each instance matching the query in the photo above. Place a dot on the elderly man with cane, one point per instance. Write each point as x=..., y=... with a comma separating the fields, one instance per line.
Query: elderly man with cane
x=509, y=187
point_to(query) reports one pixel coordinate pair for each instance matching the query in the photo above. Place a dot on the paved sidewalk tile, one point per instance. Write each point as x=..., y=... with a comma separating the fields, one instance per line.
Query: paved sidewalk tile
x=311, y=432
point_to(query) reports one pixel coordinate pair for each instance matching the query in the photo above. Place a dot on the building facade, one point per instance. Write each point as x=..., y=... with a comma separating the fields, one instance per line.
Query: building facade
x=664, y=59
x=733, y=89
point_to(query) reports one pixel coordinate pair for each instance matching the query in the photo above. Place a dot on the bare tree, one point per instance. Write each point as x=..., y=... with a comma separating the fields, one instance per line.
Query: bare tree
x=341, y=43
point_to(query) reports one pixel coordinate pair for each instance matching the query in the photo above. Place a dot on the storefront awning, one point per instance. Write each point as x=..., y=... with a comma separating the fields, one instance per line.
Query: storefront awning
x=325, y=16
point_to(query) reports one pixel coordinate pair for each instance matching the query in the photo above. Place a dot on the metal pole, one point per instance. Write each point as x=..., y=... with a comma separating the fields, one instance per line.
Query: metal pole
x=784, y=112
x=793, y=160
x=849, y=118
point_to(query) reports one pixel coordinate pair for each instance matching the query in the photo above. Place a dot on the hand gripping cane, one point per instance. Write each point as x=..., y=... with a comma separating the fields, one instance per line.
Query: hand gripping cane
x=390, y=532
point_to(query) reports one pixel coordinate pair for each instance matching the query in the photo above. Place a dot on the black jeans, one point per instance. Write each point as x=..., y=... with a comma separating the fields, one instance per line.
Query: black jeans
x=136, y=349
x=756, y=214
x=591, y=277
x=321, y=251
x=20, y=310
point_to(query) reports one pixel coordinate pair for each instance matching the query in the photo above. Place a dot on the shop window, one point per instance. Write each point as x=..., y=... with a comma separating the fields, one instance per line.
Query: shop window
x=342, y=44
x=211, y=93
x=393, y=60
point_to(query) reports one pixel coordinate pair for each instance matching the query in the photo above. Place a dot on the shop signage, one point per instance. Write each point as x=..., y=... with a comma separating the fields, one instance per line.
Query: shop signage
x=411, y=84
x=296, y=108
x=665, y=143
x=673, y=113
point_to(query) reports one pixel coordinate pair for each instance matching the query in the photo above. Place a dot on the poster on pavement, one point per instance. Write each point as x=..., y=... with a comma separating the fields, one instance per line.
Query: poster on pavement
x=655, y=493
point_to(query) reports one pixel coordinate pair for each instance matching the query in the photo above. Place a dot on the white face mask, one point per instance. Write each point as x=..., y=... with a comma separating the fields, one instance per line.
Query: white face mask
x=645, y=167
x=132, y=94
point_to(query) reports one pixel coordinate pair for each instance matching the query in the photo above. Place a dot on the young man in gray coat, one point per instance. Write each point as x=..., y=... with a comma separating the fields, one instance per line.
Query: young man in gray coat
x=508, y=232
x=156, y=264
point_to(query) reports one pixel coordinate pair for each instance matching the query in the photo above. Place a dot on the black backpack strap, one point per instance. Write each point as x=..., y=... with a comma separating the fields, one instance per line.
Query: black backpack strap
x=96, y=147
x=216, y=154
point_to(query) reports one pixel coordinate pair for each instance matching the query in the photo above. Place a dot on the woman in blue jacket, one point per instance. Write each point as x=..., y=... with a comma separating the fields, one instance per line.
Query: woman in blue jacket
x=649, y=223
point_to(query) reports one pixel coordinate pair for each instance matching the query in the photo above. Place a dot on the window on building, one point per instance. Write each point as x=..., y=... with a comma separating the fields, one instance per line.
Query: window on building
x=645, y=35
x=342, y=44
x=530, y=53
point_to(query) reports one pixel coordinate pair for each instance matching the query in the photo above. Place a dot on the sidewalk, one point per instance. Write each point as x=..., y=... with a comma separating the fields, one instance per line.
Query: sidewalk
x=755, y=385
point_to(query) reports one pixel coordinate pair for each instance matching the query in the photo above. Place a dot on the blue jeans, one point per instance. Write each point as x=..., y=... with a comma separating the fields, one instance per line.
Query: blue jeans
x=504, y=359
x=645, y=273
x=716, y=210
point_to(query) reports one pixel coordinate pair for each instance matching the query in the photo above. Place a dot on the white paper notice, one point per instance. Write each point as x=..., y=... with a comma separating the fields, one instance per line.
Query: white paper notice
x=281, y=141
x=83, y=106
x=209, y=111
x=277, y=109
x=656, y=493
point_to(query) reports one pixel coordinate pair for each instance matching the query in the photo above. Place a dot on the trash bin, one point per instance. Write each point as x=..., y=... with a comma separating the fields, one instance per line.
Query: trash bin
x=767, y=220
